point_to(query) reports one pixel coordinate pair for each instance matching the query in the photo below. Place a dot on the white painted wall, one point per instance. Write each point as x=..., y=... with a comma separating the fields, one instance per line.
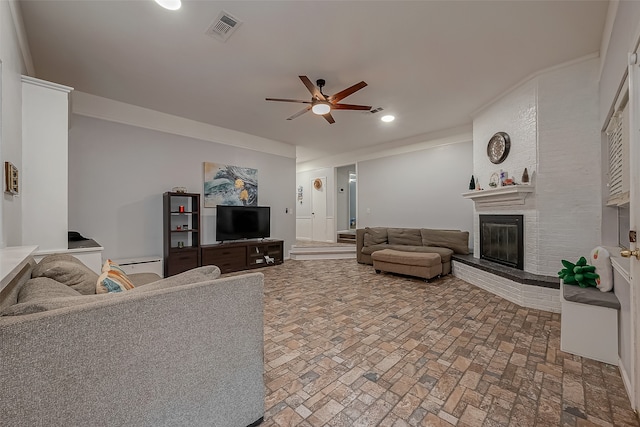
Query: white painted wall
x=421, y=189
x=118, y=173
x=568, y=185
x=10, y=122
x=342, y=196
x=515, y=114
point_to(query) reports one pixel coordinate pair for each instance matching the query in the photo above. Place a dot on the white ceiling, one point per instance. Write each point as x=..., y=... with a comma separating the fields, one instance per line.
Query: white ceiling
x=430, y=63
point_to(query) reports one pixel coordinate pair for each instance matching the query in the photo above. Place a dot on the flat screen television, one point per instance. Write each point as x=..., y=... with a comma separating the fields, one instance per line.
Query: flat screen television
x=242, y=222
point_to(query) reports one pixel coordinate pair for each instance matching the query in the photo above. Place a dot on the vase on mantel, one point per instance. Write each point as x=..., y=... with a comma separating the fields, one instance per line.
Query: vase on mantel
x=525, y=176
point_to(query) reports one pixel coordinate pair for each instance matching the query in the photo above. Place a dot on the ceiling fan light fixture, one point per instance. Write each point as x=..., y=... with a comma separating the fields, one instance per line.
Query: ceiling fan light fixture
x=321, y=108
x=170, y=4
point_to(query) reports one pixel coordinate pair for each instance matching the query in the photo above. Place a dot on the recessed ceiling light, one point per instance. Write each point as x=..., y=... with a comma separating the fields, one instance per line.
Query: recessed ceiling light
x=388, y=118
x=170, y=4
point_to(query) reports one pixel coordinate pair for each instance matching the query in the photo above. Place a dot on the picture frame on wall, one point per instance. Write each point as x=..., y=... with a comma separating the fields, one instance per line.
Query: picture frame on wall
x=229, y=185
x=11, y=178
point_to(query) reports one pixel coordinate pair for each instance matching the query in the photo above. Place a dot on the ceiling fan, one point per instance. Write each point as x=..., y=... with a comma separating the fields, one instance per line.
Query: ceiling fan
x=322, y=104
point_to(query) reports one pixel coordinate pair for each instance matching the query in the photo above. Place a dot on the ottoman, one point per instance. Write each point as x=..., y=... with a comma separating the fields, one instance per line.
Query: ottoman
x=419, y=264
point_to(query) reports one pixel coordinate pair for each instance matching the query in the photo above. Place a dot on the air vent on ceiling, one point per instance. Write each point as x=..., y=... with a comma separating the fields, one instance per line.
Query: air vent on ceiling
x=376, y=110
x=223, y=26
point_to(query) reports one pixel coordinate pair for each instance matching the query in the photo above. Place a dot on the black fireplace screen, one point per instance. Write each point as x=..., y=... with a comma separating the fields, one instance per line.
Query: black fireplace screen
x=501, y=239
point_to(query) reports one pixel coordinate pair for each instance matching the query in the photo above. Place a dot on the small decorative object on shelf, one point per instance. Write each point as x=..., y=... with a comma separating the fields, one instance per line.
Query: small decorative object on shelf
x=181, y=244
x=181, y=209
x=493, y=181
x=525, y=176
x=472, y=184
x=503, y=176
x=179, y=189
x=178, y=227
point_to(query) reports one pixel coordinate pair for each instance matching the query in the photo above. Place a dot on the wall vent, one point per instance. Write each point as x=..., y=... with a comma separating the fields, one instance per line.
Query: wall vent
x=376, y=110
x=223, y=26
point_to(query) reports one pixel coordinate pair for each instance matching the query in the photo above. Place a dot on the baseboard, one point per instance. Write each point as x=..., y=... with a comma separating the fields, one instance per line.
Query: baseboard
x=257, y=422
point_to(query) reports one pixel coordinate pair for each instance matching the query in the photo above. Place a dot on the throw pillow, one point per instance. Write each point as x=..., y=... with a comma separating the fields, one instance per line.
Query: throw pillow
x=112, y=279
x=375, y=236
x=457, y=241
x=405, y=236
x=601, y=260
x=69, y=270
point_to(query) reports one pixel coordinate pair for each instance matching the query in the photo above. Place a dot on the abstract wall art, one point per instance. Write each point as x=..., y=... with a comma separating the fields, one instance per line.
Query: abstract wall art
x=229, y=185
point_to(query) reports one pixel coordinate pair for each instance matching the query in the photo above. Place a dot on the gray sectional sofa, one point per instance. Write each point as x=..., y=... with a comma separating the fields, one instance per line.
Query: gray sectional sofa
x=442, y=242
x=186, y=350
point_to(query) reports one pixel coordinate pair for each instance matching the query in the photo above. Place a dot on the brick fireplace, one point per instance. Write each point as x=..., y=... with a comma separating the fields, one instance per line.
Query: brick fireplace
x=552, y=121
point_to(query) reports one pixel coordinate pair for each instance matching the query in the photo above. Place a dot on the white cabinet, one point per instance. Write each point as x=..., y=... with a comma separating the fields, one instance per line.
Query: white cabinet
x=44, y=187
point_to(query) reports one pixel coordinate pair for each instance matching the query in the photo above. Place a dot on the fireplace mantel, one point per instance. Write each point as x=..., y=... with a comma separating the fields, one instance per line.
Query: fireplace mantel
x=502, y=196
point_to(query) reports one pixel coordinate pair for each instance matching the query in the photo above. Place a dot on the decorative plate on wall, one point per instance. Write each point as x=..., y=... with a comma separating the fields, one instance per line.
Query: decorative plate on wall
x=498, y=147
x=317, y=184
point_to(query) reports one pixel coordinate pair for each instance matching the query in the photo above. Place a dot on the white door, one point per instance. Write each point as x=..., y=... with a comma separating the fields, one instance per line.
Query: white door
x=319, y=209
x=634, y=206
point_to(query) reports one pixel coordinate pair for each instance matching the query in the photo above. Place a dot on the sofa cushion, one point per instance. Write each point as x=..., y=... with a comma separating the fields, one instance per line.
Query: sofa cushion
x=140, y=279
x=196, y=275
x=69, y=270
x=405, y=236
x=458, y=241
x=112, y=279
x=375, y=236
x=37, y=305
x=43, y=288
x=368, y=250
x=40, y=305
x=41, y=294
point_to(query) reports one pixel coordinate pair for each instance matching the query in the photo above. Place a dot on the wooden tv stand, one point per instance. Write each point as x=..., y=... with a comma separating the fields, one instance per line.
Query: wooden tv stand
x=242, y=255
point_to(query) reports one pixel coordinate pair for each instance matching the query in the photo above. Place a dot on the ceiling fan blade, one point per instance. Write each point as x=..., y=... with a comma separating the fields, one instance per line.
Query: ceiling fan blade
x=288, y=100
x=299, y=113
x=312, y=88
x=350, y=107
x=328, y=117
x=348, y=91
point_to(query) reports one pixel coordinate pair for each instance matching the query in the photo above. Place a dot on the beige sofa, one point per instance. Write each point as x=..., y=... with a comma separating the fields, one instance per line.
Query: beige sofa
x=442, y=242
x=187, y=350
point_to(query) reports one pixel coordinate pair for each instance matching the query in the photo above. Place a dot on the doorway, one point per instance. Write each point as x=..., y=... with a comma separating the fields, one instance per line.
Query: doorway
x=352, y=200
x=345, y=198
x=319, y=209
